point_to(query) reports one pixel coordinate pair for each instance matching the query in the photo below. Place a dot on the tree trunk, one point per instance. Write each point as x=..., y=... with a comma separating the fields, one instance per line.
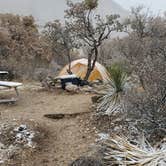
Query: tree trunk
x=91, y=65
x=89, y=70
x=69, y=60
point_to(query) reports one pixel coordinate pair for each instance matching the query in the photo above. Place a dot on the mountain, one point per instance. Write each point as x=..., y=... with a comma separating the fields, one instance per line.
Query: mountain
x=47, y=10
x=111, y=7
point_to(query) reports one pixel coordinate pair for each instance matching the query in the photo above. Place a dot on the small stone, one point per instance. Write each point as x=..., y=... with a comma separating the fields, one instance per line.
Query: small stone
x=71, y=88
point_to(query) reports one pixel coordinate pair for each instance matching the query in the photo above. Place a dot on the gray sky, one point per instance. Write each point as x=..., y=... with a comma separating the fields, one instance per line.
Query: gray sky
x=46, y=10
x=156, y=6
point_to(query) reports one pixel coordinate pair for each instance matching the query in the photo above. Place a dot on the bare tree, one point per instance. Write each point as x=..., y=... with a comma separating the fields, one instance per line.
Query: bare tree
x=61, y=39
x=89, y=28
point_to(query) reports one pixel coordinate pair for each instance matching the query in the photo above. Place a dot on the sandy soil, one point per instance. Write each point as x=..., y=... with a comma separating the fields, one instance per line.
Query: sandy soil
x=68, y=138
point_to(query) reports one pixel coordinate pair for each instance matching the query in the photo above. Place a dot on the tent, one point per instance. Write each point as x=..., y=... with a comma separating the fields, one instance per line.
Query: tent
x=79, y=68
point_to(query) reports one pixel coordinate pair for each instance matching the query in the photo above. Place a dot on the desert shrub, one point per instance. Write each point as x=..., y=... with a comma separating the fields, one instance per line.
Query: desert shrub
x=21, y=48
x=146, y=114
x=144, y=48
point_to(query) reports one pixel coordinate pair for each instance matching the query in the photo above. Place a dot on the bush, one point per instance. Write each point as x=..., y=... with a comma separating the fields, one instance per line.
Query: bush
x=144, y=48
x=21, y=48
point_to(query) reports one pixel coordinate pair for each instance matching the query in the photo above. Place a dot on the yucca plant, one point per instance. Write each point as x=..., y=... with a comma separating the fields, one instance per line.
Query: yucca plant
x=118, y=77
x=111, y=102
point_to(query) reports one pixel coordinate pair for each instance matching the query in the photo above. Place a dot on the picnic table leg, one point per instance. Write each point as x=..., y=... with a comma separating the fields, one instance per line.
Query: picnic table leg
x=16, y=91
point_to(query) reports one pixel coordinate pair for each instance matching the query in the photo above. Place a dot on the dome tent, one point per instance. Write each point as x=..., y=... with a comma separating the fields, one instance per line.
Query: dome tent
x=79, y=68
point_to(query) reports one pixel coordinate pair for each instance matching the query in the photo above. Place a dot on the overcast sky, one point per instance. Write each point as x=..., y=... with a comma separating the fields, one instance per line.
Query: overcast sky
x=155, y=5
x=45, y=10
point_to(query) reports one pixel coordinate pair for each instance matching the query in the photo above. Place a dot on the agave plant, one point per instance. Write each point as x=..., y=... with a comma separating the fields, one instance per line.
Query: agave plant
x=111, y=102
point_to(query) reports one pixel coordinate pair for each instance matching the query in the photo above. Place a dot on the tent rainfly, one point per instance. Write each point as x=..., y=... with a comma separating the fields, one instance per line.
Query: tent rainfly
x=79, y=68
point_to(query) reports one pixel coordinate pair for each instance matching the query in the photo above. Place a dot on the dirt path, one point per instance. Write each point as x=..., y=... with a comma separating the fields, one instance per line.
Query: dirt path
x=68, y=138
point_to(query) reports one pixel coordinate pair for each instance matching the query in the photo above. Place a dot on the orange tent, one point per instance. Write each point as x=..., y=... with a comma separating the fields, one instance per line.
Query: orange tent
x=79, y=68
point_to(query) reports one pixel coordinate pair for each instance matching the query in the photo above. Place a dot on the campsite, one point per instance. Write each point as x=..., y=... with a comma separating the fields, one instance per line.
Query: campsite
x=85, y=90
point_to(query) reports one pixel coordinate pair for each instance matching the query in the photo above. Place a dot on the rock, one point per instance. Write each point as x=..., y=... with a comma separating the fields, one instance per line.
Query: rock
x=117, y=128
x=102, y=136
x=71, y=88
x=86, y=88
x=22, y=127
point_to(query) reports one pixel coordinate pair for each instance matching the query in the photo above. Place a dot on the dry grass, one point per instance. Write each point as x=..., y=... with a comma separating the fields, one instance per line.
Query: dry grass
x=120, y=151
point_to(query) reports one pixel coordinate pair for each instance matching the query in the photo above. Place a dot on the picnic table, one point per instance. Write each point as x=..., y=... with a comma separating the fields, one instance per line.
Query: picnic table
x=9, y=85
